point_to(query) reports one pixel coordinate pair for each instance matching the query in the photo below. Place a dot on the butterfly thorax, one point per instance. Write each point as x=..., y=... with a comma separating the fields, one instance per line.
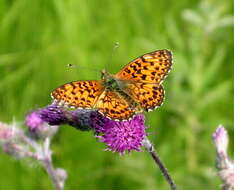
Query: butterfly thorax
x=109, y=81
x=115, y=85
x=112, y=83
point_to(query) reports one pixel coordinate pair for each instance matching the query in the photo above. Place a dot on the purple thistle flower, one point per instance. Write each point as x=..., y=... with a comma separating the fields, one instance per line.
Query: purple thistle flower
x=122, y=136
x=17, y=150
x=57, y=115
x=98, y=121
x=40, y=120
x=53, y=115
x=224, y=164
x=6, y=132
x=220, y=138
x=33, y=120
x=80, y=119
x=119, y=136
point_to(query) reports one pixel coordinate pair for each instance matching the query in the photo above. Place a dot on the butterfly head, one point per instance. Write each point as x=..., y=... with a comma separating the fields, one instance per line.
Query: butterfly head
x=109, y=80
x=105, y=75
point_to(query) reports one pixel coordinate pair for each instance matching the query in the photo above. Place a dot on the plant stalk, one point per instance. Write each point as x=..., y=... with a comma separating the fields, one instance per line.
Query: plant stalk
x=150, y=148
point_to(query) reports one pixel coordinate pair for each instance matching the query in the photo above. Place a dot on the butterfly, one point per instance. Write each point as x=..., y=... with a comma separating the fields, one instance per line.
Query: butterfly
x=135, y=88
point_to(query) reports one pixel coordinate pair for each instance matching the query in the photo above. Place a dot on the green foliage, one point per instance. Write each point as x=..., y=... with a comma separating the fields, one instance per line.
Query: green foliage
x=39, y=38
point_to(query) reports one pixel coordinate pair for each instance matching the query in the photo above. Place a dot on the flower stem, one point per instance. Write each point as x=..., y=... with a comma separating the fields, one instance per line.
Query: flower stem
x=150, y=148
x=48, y=165
x=51, y=172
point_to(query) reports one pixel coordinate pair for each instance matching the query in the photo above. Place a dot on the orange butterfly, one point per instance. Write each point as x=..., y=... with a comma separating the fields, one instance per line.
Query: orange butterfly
x=134, y=89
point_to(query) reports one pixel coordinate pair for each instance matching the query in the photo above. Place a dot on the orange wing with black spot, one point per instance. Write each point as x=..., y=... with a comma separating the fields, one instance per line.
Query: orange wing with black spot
x=80, y=94
x=113, y=105
x=148, y=95
x=149, y=68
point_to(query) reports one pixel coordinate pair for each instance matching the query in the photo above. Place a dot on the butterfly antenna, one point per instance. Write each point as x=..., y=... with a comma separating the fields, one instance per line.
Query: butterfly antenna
x=116, y=45
x=81, y=67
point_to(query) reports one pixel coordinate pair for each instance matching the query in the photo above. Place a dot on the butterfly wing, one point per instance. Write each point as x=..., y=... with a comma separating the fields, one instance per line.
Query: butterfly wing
x=148, y=95
x=149, y=68
x=80, y=94
x=112, y=105
x=141, y=79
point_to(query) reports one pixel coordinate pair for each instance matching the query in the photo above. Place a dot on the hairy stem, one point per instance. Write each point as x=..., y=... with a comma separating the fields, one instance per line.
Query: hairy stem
x=48, y=165
x=150, y=148
x=51, y=172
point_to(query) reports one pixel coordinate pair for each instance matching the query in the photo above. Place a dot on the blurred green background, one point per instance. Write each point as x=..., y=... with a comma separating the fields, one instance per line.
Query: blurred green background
x=39, y=38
